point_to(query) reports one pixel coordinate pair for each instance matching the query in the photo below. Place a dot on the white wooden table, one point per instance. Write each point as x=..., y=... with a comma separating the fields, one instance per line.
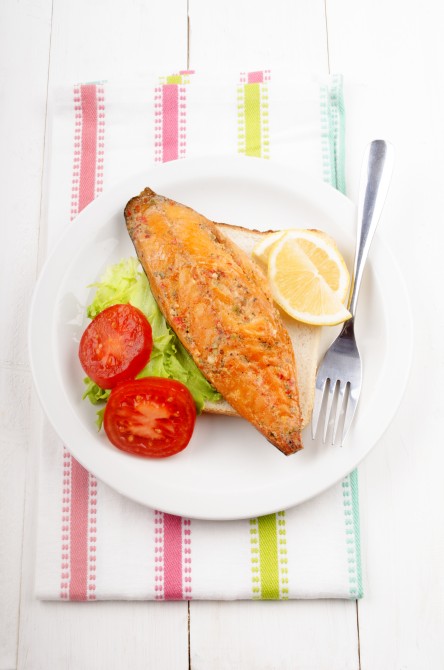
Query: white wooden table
x=393, y=54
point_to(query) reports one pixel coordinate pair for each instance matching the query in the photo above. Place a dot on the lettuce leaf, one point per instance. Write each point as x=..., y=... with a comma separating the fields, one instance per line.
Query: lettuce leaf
x=125, y=282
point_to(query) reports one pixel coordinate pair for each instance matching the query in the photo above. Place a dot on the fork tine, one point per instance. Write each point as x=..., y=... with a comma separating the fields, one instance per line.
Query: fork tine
x=353, y=397
x=331, y=393
x=342, y=403
x=319, y=397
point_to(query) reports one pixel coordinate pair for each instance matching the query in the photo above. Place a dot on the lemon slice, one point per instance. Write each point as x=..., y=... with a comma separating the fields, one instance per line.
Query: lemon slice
x=309, y=278
x=262, y=250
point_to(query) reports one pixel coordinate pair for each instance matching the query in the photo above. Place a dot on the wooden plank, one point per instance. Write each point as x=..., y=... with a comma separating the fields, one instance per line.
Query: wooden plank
x=24, y=39
x=94, y=41
x=14, y=422
x=12, y=482
x=253, y=34
x=285, y=635
x=391, y=55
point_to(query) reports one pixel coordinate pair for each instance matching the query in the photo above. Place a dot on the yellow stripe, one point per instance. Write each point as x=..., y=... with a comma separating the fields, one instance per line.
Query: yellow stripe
x=252, y=112
x=268, y=557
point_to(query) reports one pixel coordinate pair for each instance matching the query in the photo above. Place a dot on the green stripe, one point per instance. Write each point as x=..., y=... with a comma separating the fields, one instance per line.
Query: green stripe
x=333, y=132
x=352, y=534
x=332, y=138
x=268, y=557
x=252, y=112
x=357, y=532
x=339, y=111
x=336, y=123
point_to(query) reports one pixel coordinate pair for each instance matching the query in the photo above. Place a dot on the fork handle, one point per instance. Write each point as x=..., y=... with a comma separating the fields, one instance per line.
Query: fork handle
x=376, y=172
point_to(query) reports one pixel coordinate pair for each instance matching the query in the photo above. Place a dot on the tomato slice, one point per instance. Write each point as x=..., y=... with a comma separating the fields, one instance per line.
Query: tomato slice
x=116, y=345
x=151, y=417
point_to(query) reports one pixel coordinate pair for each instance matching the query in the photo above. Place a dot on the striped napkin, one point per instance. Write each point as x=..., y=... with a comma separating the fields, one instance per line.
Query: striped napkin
x=94, y=543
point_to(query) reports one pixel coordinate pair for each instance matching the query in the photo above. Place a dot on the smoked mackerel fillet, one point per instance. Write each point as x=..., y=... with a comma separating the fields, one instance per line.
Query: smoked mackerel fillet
x=219, y=304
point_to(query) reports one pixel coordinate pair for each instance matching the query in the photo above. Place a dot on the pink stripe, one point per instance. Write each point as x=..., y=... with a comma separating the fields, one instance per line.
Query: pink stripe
x=172, y=555
x=88, y=94
x=79, y=487
x=78, y=532
x=170, y=124
x=256, y=77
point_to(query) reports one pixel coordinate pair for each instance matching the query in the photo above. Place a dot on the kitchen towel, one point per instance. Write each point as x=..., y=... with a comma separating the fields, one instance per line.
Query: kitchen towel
x=93, y=543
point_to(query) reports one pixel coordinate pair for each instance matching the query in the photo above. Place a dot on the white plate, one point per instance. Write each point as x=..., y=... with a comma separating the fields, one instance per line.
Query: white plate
x=228, y=470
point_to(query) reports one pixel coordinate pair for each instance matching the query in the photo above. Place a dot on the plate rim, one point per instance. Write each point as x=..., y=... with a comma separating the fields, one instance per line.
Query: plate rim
x=252, y=169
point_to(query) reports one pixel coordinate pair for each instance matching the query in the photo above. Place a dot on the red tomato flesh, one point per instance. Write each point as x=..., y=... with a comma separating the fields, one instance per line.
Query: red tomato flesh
x=116, y=345
x=152, y=417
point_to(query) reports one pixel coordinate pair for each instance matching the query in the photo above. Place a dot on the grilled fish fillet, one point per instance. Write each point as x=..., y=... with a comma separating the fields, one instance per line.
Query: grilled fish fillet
x=219, y=304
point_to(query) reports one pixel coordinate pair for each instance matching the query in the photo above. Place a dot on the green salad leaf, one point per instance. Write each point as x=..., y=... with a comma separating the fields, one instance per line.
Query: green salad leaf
x=125, y=282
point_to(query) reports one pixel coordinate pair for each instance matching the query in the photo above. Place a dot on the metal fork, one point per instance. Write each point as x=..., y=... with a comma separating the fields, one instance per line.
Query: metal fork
x=340, y=373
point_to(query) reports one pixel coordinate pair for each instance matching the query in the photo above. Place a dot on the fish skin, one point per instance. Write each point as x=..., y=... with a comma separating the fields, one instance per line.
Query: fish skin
x=220, y=306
